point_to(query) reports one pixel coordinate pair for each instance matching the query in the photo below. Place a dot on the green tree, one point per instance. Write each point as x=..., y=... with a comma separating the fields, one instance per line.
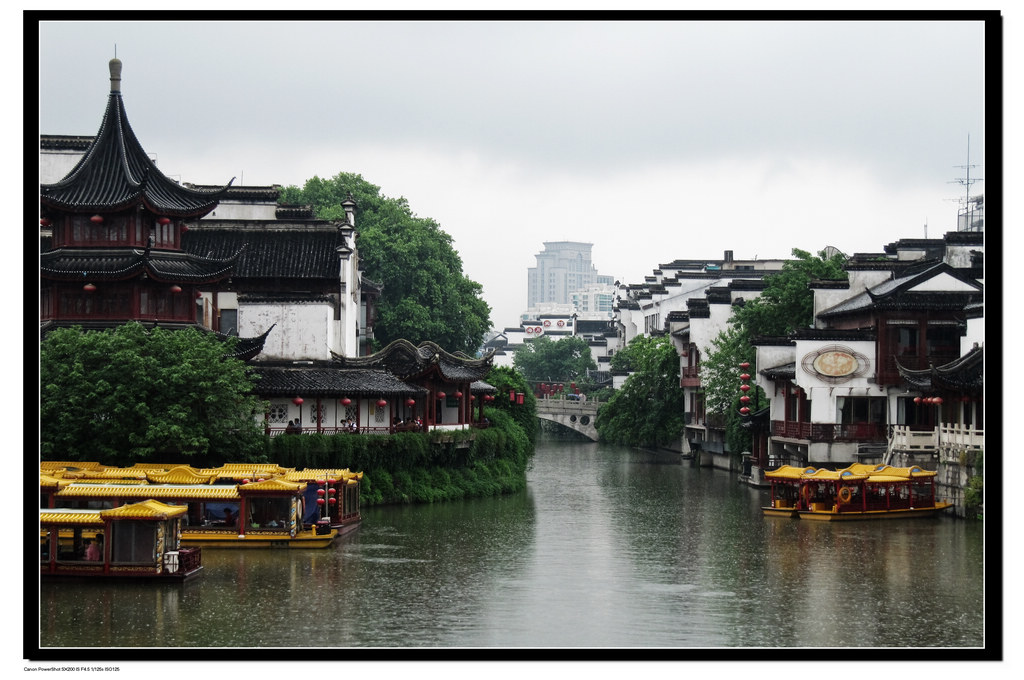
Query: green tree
x=648, y=410
x=785, y=305
x=563, y=360
x=127, y=394
x=425, y=294
x=505, y=380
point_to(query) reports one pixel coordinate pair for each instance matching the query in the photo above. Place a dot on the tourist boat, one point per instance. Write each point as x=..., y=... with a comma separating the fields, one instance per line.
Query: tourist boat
x=857, y=492
x=236, y=505
x=785, y=490
x=137, y=540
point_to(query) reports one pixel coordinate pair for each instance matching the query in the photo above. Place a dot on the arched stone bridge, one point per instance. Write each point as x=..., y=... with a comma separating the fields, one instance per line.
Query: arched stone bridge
x=576, y=415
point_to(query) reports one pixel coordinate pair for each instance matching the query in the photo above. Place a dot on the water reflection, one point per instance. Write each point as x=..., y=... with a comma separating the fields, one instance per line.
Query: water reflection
x=606, y=547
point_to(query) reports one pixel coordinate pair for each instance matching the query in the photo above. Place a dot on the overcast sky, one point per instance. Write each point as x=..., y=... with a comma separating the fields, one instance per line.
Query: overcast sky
x=652, y=140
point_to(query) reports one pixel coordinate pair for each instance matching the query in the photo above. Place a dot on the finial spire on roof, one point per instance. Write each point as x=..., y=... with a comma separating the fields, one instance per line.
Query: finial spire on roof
x=115, y=75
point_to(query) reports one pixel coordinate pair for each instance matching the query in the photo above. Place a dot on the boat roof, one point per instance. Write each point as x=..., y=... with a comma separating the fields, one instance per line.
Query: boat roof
x=883, y=470
x=148, y=509
x=150, y=491
x=788, y=472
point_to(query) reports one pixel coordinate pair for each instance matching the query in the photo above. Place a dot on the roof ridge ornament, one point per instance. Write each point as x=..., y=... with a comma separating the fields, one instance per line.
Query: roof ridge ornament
x=115, y=75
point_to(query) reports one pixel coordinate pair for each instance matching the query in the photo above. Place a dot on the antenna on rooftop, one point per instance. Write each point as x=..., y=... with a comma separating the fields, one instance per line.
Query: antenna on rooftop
x=966, y=183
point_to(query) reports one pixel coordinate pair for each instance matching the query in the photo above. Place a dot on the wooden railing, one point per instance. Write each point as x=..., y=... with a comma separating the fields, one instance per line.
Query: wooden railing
x=277, y=431
x=190, y=558
x=828, y=432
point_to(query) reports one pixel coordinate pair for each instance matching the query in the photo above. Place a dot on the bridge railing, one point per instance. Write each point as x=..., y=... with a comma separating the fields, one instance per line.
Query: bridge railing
x=588, y=407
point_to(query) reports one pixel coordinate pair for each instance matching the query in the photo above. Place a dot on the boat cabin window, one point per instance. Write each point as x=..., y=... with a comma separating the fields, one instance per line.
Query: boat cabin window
x=270, y=513
x=133, y=542
x=220, y=514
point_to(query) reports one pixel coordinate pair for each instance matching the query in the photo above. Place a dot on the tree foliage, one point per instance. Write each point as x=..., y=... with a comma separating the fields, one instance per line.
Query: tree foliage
x=562, y=360
x=648, y=409
x=127, y=394
x=425, y=294
x=505, y=380
x=785, y=305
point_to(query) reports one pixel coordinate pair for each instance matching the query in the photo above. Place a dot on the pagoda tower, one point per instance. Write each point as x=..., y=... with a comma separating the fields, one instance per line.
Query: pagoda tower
x=111, y=236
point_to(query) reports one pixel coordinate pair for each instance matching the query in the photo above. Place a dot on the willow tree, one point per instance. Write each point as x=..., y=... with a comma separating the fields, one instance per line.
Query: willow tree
x=425, y=294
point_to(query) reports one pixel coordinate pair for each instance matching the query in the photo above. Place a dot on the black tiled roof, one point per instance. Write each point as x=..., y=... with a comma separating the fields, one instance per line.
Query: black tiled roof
x=277, y=381
x=783, y=372
x=964, y=374
x=111, y=264
x=116, y=174
x=301, y=254
x=405, y=360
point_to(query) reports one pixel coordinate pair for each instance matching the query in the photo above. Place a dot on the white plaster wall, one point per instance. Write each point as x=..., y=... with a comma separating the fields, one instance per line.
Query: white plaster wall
x=942, y=284
x=303, y=331
x=243, y=210
x=55, y=165
x=975, y=335
x=822, y=393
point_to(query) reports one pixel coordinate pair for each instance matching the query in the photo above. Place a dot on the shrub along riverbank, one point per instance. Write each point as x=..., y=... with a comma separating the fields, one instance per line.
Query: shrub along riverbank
x=420, y=467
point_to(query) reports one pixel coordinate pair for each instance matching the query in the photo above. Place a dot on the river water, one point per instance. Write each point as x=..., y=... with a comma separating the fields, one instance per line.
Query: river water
x=607, y=547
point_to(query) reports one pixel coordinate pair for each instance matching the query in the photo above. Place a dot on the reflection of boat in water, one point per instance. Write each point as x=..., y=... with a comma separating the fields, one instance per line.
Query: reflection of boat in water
x=857, y=492
x=235, y=506
x=137, y=540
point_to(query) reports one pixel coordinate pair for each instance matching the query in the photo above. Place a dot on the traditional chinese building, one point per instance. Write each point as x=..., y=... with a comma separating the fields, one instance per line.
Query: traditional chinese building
x=111, y=240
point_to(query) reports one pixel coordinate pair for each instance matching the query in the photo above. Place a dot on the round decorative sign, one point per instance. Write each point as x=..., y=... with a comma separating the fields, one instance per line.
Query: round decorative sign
x=836, y=364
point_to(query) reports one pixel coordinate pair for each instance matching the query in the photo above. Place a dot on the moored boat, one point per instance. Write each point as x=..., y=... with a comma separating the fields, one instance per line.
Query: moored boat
x=238, y=505
x=857, y=492
x=137, y=540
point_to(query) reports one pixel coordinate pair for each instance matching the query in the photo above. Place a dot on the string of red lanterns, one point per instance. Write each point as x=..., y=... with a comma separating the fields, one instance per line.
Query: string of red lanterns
x=744, y=387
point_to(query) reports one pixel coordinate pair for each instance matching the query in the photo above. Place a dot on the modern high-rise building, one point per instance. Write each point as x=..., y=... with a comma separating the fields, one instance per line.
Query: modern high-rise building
x=563, y=268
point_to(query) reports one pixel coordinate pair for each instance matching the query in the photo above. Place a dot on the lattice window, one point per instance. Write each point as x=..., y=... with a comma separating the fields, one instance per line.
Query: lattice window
x=316, y=414
x=278, y=413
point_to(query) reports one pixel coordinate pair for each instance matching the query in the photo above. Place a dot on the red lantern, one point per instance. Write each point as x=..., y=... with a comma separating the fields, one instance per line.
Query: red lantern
x=96, y=219
x=245, y=481
x=45, y=222
x=520, y=398
x=88, y=288
x=184, y=228
x=345, y=401
x=458, y=395
x=441, y=395
x=745, y=365
x=320, y=492
x=297, y=401
x=744, y=387
x=745, y=376
x=744, y=410
x=917, y=400
x=382, y=402
x=512, y=396
x=164, y=220
x=410, y=402
x=175, y=289
x=332, y=501
x=332, y=491
x=745, y=399
x=319, y=501
x=937, y=400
